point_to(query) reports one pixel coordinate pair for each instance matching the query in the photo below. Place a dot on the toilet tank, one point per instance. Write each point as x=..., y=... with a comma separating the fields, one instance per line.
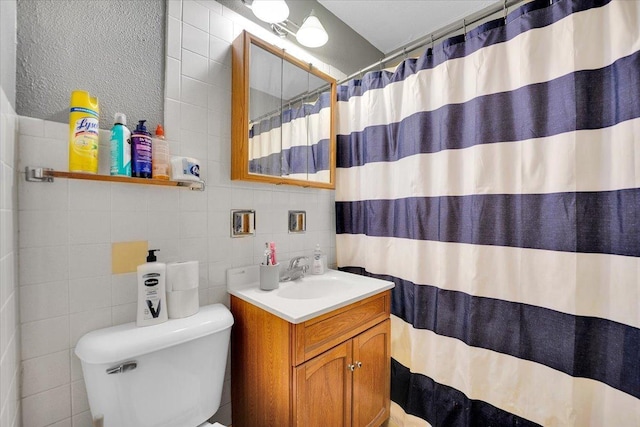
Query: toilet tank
x=166, y=375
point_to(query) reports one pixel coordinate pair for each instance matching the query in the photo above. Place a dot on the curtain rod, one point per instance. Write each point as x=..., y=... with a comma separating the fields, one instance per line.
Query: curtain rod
x=411, y=46
x=300, y=97
x=439, y=34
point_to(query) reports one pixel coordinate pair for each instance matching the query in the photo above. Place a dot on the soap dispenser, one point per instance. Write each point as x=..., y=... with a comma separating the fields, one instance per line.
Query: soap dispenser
x=141, y=151
x=152, y=297
x=319, y=265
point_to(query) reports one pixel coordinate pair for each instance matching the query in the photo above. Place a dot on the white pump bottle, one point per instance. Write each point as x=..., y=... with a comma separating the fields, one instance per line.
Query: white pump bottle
x=152, y=296
x=319, y=264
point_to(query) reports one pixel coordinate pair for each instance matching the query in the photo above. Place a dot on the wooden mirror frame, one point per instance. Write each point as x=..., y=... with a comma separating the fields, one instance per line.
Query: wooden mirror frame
x=241, y=50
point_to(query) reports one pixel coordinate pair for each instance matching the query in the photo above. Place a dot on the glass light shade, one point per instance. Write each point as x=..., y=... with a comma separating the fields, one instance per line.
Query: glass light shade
x=312, y=33
x=270, y=11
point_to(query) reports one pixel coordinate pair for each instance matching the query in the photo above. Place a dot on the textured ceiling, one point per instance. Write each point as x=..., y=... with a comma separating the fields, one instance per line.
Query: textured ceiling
x=59, y=50
x=389, y=25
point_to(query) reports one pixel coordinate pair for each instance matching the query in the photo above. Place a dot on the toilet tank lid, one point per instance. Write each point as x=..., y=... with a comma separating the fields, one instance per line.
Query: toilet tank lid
x=118, y=343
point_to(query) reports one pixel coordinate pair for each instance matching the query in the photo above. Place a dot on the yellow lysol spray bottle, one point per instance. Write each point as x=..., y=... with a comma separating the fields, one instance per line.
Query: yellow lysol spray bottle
x=83, y=132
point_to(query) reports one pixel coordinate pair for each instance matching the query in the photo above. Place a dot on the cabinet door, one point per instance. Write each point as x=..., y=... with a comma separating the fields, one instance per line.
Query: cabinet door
x=372, y=376
x=323, y=389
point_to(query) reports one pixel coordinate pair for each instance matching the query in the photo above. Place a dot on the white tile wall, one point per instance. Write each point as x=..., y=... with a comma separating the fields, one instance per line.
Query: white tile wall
x=9, y=290
x=195, y=14
x=194, y=66
x=45, y=372
x=194, y=39
x=174, y=36
x=67, y=227
x=47, y=407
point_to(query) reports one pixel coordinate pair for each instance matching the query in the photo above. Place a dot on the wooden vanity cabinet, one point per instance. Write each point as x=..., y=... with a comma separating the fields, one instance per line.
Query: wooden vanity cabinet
x=322, y=389
x=332, y=370
x=327, y=394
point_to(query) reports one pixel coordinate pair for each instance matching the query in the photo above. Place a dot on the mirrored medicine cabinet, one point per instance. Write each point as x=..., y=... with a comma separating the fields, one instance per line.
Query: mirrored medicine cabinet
x=282, y=117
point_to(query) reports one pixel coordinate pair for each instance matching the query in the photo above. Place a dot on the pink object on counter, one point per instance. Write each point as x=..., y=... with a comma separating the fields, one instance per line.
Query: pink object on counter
x=272, y=248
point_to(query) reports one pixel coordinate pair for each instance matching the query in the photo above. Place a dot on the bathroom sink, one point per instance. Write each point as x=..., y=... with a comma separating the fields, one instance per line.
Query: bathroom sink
x=311, y=287
x=303, y=299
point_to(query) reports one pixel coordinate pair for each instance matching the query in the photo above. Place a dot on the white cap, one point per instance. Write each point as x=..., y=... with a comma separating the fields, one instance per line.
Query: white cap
x=120, y=118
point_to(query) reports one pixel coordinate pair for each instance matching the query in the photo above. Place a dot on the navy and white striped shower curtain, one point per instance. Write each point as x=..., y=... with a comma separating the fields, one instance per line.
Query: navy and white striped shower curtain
x=496, y=181
x=295, y=143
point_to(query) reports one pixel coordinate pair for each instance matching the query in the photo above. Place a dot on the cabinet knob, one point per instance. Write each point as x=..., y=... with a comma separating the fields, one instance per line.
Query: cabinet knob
x=351, y=367
x=358, y=364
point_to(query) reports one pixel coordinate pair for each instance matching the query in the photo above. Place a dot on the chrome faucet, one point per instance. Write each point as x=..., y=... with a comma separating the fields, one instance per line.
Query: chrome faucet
x=295, y=269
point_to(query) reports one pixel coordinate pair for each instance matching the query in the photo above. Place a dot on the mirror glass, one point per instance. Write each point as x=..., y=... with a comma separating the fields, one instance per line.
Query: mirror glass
x=265, y=106
x=282, y=117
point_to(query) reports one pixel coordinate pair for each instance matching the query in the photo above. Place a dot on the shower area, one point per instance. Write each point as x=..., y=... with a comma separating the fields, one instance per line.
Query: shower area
x=495, y=179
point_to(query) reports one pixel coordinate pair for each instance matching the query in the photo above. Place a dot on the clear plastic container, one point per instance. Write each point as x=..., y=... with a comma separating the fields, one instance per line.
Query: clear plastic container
x=319, y=263
x=160, y=162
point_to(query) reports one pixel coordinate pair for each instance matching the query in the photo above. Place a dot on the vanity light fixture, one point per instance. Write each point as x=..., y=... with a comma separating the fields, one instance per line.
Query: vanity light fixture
x=275, y=12
x=310, y=34
x=270, y=11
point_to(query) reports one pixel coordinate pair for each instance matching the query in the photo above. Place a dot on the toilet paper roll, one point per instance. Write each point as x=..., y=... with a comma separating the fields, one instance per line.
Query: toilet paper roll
x=182, y=303
x=182, y=276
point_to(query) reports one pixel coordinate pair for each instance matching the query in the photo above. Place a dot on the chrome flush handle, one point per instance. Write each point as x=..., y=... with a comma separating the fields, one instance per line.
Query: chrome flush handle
x=124, y=367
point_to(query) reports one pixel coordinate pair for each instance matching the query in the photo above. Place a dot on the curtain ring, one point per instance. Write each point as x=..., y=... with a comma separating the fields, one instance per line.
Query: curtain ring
x=432, y=42
x=504, y=6
x=464, y=28
x=404, y=53
x=380, y=64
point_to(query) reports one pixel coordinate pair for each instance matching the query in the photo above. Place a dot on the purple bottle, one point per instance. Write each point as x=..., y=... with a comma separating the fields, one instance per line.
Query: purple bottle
x=141, y=151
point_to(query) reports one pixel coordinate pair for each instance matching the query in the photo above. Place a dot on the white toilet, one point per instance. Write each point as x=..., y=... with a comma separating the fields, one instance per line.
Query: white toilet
x=166, y=375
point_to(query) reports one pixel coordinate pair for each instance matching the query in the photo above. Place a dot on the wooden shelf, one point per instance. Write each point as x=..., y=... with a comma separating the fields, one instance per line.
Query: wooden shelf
x=48, y=175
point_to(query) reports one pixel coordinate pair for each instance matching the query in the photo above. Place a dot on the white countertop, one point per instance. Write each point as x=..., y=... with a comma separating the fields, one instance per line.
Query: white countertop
x=305, y=298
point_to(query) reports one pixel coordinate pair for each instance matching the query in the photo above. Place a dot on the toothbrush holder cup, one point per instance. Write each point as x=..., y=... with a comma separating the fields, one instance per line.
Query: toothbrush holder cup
x=269, y=277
